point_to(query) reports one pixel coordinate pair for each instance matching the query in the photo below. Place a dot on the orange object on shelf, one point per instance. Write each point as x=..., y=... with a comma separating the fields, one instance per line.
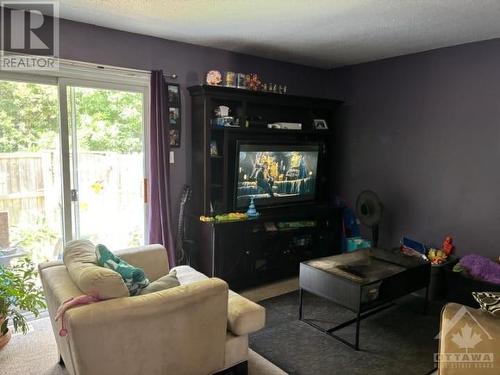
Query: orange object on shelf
x=448, y=246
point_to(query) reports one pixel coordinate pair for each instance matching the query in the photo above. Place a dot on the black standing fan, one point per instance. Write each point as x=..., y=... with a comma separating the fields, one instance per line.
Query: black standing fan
x=369, y=211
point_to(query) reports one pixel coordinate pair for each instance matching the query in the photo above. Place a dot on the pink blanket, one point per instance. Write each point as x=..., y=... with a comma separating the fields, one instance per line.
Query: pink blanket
x=72, y=302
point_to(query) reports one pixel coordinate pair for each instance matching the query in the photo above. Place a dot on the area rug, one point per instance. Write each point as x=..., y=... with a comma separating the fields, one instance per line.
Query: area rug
x=399, y=340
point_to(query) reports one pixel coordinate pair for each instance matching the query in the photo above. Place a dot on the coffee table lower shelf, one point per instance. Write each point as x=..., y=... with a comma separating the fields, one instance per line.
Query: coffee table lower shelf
x=359, y=317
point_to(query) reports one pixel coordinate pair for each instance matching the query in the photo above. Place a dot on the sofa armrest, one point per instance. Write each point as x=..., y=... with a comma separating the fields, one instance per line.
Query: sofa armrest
x=153, y=259
x=182, y=328
x=454, y=317
x=243, y=315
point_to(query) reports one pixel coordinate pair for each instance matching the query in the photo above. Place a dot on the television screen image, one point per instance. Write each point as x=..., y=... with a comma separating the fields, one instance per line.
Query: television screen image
x=276, y=174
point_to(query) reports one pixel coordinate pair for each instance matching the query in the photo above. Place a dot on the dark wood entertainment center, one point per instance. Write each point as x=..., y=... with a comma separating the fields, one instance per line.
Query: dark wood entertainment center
x=271, y=246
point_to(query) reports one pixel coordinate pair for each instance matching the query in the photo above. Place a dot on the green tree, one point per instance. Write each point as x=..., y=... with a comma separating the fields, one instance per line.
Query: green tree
x=109, y=120
x=106, y=120
x=29, y=119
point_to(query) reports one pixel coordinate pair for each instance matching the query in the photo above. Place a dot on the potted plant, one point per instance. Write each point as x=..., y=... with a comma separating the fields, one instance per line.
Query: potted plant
x=19, y=293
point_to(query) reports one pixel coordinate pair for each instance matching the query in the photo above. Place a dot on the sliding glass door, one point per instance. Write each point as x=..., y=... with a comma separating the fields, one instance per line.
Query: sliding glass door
x=30, y=173
x=107, y=165
x=71, y=165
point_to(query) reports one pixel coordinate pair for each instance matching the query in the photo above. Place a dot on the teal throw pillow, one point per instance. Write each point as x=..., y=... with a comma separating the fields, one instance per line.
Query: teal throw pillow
x=135, y=279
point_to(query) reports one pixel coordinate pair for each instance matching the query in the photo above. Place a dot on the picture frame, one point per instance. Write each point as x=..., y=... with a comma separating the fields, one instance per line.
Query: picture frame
x=174, y=138
x=174, y=116
x=173, y=94
x=320, y=124
x=174, y=122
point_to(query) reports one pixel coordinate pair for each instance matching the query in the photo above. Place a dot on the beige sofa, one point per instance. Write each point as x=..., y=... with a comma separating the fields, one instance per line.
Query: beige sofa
x=469, y=341
x=197, y=328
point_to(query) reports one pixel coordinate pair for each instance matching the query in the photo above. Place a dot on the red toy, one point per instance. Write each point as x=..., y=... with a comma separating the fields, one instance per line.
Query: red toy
x=448, y=246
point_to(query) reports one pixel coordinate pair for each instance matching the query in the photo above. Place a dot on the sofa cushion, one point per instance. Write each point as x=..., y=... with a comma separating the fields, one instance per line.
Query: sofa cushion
x=153, y=259
x=81, y=263
x=243, y=315
x=187, y=275
x=163, y=283
x=134, y=277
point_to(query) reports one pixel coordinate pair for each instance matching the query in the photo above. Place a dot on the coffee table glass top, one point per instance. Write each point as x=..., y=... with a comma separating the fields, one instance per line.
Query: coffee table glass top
x=365, y=266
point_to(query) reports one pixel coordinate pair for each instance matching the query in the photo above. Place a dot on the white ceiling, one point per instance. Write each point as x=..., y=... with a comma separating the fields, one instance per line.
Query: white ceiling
x=321, y=33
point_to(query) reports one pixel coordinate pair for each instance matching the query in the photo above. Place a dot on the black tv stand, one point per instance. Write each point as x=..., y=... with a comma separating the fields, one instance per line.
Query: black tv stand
x=267, y=248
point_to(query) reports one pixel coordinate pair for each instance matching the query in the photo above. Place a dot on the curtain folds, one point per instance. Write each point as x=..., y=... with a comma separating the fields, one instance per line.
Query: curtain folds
x=159, y=220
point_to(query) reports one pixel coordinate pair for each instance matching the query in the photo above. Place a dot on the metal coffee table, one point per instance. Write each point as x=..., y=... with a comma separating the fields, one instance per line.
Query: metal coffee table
x=365, y=282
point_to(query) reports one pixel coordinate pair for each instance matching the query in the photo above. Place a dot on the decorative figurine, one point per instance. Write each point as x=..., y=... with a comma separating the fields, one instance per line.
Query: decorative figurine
x=230, y=79
x=436, y=256
x=214, y=78
x=252, y=212
x=448, y=246
x=252, y=82
x=222, y=111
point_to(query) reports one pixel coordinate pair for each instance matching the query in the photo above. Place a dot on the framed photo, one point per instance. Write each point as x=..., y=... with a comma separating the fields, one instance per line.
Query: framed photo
x=320, y=124
x=173, y=94
x=175, y=138
x=174, y=116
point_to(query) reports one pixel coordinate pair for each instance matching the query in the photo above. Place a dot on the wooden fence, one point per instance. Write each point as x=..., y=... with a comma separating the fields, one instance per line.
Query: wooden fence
x=110, y=190
x=25, y=179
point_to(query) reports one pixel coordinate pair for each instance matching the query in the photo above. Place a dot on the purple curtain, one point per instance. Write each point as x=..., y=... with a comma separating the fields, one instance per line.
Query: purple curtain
x=159, y=219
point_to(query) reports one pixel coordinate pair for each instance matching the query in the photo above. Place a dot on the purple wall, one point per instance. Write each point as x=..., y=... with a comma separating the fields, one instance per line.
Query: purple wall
x=84, y=42
x=423, y=131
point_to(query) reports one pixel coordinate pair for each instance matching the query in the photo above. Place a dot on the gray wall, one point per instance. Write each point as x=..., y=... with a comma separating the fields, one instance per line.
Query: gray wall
x=84, y=42
x=423, y=131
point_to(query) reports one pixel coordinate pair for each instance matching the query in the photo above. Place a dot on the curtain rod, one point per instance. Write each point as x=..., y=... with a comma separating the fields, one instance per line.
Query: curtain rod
x=99, y=66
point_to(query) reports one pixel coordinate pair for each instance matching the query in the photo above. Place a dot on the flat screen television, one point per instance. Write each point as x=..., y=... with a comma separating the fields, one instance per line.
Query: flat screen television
x=275, y=174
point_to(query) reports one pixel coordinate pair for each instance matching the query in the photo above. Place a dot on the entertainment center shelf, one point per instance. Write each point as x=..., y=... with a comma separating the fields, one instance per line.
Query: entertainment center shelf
x=254, y=110
x=245, y=253
x=272, y=131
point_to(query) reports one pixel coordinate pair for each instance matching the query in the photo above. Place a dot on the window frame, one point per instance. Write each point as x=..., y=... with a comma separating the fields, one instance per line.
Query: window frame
x=80, y=74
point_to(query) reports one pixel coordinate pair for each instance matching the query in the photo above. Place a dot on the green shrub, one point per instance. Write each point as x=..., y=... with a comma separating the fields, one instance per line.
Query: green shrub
x=19, y=293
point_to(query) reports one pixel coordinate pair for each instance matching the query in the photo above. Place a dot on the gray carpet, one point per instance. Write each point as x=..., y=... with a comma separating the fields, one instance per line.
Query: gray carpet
x=399, y=340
